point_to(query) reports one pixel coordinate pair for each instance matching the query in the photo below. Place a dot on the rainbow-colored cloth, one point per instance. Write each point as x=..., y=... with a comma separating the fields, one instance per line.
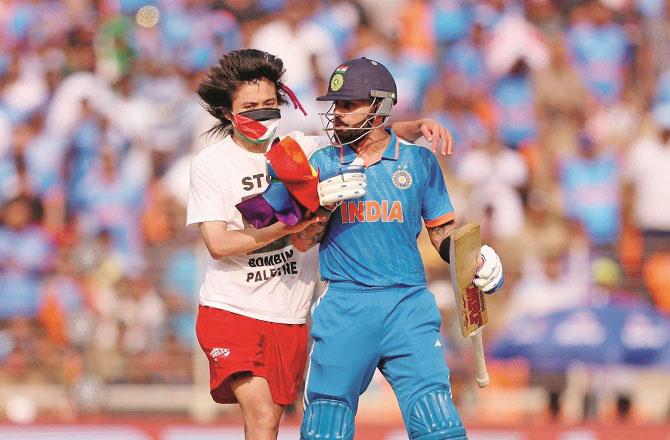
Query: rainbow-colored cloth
x=292, y=191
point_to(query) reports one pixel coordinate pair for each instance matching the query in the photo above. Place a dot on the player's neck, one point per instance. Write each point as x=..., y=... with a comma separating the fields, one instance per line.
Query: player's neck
x=250, y=146
x=372, y=147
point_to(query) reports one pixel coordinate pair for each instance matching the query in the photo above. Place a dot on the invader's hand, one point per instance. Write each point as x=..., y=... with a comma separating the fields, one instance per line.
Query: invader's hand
x=438, y=135
x=312, y=222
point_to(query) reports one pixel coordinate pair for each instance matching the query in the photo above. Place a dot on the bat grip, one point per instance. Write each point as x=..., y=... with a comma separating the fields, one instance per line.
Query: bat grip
x=480, y=361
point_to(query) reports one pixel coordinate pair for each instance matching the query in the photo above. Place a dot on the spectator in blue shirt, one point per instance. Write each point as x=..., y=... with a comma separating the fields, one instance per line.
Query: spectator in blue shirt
x=590, y=182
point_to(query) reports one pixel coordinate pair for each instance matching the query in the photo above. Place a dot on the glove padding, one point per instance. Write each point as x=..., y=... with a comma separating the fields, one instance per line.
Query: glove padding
x=350, y=184
x=489, y=277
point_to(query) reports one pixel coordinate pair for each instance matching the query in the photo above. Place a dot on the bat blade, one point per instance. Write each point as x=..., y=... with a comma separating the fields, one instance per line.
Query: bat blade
x=470, y=301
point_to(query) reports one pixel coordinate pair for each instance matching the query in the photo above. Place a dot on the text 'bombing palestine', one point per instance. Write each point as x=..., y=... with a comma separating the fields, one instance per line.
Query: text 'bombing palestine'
x=287, y=267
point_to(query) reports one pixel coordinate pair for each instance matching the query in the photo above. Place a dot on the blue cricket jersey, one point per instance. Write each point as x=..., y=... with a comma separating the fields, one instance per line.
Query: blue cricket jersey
x=371, y=241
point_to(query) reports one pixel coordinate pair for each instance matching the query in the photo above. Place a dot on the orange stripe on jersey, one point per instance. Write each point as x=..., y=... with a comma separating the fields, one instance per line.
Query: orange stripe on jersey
x=446, y=218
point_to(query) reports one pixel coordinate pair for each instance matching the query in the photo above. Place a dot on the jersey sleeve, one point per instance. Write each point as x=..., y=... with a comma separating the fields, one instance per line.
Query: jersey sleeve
x=206, y=199
x=436, y=207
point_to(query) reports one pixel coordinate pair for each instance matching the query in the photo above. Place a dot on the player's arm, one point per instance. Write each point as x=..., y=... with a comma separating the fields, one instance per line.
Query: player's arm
x=439, y=237
x=347, y=183
x=222, y=242
x=311, y=235
x=438, y=135
x=489, y=277
x=439, y=217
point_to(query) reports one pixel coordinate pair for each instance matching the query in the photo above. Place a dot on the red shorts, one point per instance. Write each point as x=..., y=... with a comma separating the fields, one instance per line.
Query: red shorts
x=236, y=344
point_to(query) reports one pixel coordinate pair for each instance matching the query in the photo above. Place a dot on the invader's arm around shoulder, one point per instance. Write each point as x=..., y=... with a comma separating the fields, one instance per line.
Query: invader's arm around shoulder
x=438, y=135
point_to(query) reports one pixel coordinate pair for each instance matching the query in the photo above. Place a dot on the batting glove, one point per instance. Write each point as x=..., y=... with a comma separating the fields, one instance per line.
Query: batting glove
x=349, y=184
x=489, y=278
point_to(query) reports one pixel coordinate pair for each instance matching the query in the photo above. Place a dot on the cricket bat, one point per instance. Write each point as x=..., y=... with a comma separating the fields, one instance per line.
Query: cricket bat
x=470, y=301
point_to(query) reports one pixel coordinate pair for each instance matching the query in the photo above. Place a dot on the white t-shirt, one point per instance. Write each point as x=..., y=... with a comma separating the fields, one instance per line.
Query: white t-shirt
x=274, y=283
x=647, y=167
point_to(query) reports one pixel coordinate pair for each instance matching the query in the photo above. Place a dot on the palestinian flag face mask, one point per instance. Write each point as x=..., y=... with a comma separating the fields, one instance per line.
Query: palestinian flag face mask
x=257, y=126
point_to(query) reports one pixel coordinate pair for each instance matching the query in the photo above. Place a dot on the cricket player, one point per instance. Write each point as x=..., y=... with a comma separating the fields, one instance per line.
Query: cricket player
x=257, y=289
x=376, y=311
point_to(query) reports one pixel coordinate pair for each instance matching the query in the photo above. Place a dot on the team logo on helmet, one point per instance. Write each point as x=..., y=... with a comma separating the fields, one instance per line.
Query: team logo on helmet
x=336, y=82
x=402, y=179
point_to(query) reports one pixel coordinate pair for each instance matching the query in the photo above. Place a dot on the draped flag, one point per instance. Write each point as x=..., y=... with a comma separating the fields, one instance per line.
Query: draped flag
x=290, y=165
x=292, y=190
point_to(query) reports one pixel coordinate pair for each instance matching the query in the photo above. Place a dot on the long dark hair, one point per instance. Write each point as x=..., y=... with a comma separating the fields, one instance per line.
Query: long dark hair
x=234, y=69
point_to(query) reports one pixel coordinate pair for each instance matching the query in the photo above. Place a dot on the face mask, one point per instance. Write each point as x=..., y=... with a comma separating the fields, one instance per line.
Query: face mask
x=257, y=126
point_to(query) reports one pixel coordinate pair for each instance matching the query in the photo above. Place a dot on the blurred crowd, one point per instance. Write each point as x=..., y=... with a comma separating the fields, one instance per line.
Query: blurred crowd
x=560, y=112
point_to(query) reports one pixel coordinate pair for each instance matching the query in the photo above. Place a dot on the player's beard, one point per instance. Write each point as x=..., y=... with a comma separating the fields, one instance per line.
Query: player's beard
x=349, y=134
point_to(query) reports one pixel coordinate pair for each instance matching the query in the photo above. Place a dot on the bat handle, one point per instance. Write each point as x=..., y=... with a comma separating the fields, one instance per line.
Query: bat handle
x=480, y=361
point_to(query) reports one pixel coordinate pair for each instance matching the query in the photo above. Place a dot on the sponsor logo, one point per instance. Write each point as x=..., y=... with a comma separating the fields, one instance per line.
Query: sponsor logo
x=402, y=179
x=437, y=343
x=473, y=305
x=217, y=353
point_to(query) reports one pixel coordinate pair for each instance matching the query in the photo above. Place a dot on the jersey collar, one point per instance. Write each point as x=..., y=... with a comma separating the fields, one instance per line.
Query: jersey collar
x=347, y=154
